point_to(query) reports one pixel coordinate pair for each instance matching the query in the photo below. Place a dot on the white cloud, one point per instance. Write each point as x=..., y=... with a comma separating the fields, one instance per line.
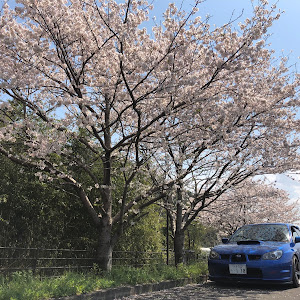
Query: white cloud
x=294, y=176
x=287, y=182
x=270, y=178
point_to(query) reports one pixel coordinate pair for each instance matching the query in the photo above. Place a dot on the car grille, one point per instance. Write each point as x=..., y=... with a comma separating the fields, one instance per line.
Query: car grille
x=254, y=257
x=252, y=273
x=239, y=257
x=225, y=256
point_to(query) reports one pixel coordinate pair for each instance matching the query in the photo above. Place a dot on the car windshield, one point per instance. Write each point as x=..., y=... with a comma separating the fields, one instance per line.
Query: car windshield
x=261, y=232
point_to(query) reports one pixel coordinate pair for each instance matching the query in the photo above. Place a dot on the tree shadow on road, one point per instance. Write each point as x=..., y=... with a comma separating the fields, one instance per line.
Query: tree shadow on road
x=236, y=290
x=212, y=291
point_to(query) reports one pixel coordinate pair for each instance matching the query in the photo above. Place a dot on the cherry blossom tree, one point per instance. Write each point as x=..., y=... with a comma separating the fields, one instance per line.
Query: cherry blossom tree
x=215, y=173
x=87, y=73
x=248, y=203
x=247, y=128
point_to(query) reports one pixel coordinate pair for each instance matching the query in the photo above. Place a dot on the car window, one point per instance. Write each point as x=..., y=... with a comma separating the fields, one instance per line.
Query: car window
x=262, y=232
x=295, y=232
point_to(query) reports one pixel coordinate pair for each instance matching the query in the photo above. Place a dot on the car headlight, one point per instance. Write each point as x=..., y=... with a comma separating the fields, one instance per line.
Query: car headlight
x=272, y=255
x=214, y=255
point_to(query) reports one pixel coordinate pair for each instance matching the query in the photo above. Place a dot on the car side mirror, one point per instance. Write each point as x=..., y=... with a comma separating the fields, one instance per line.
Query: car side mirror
x=297, y=239
x=225, y=240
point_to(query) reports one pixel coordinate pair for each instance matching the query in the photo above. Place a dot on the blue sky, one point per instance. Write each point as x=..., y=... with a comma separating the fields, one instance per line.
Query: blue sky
x=284, y=33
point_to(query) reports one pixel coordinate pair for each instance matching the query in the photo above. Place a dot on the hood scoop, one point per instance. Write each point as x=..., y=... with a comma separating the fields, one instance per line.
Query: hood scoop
x=248, y=242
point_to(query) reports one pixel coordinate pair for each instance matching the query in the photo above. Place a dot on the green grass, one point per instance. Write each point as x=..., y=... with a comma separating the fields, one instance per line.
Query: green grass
x=25, y=286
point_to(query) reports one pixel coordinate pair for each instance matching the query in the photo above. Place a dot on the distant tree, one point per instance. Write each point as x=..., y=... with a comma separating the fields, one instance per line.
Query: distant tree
x=250, y=202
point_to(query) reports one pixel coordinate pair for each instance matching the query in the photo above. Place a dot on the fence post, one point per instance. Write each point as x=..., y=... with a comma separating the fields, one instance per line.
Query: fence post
x=34, y=260
x=136, y=259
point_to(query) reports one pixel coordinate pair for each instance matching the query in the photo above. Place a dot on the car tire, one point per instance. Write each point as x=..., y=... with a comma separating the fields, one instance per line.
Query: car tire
x=296, y=272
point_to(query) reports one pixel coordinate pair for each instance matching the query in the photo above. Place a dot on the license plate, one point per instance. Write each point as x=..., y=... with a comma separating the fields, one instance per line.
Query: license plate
x=237, y=269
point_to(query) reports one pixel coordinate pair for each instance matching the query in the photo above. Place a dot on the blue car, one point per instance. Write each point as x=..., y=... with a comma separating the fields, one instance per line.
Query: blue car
x=258, y=252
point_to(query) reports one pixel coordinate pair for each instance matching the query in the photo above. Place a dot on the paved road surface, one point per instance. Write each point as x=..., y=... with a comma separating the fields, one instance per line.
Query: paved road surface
x=211, y=291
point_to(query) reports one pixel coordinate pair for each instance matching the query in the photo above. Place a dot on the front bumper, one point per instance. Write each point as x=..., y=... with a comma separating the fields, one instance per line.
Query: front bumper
x=261, y=270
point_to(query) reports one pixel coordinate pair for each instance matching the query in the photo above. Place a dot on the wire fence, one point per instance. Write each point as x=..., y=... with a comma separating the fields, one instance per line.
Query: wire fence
x=45, y=262
x=54, y=262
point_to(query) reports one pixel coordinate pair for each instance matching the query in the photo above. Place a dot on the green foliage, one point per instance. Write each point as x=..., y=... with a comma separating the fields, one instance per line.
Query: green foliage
x=143, y=236
x=198, y=235
x=75, y=283
x=130, y=275
x=33, y=214
x=36, y=214
x=25, y=286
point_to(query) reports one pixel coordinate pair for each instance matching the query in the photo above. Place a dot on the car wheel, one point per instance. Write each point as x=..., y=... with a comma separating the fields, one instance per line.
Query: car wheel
x=296, y=272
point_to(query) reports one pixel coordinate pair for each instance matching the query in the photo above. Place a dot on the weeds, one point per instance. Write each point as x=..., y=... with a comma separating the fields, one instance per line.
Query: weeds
x=26, y=286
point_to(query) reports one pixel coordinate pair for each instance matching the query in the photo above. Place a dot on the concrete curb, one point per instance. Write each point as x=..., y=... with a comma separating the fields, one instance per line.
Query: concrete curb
x=125, y=291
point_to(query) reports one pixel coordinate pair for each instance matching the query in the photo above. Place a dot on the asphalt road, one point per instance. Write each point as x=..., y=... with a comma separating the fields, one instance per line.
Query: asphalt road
x=212, y=291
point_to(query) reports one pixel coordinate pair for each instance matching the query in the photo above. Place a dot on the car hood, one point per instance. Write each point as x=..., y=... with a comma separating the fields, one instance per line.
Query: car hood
x=258, y=248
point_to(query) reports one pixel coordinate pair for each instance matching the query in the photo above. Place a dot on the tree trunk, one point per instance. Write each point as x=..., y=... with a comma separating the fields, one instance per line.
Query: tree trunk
x=179, y=232
x=105, y=248
x=179, y=247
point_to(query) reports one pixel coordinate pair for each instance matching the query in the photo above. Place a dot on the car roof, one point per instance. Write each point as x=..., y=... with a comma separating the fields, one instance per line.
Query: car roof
x=275, y=223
